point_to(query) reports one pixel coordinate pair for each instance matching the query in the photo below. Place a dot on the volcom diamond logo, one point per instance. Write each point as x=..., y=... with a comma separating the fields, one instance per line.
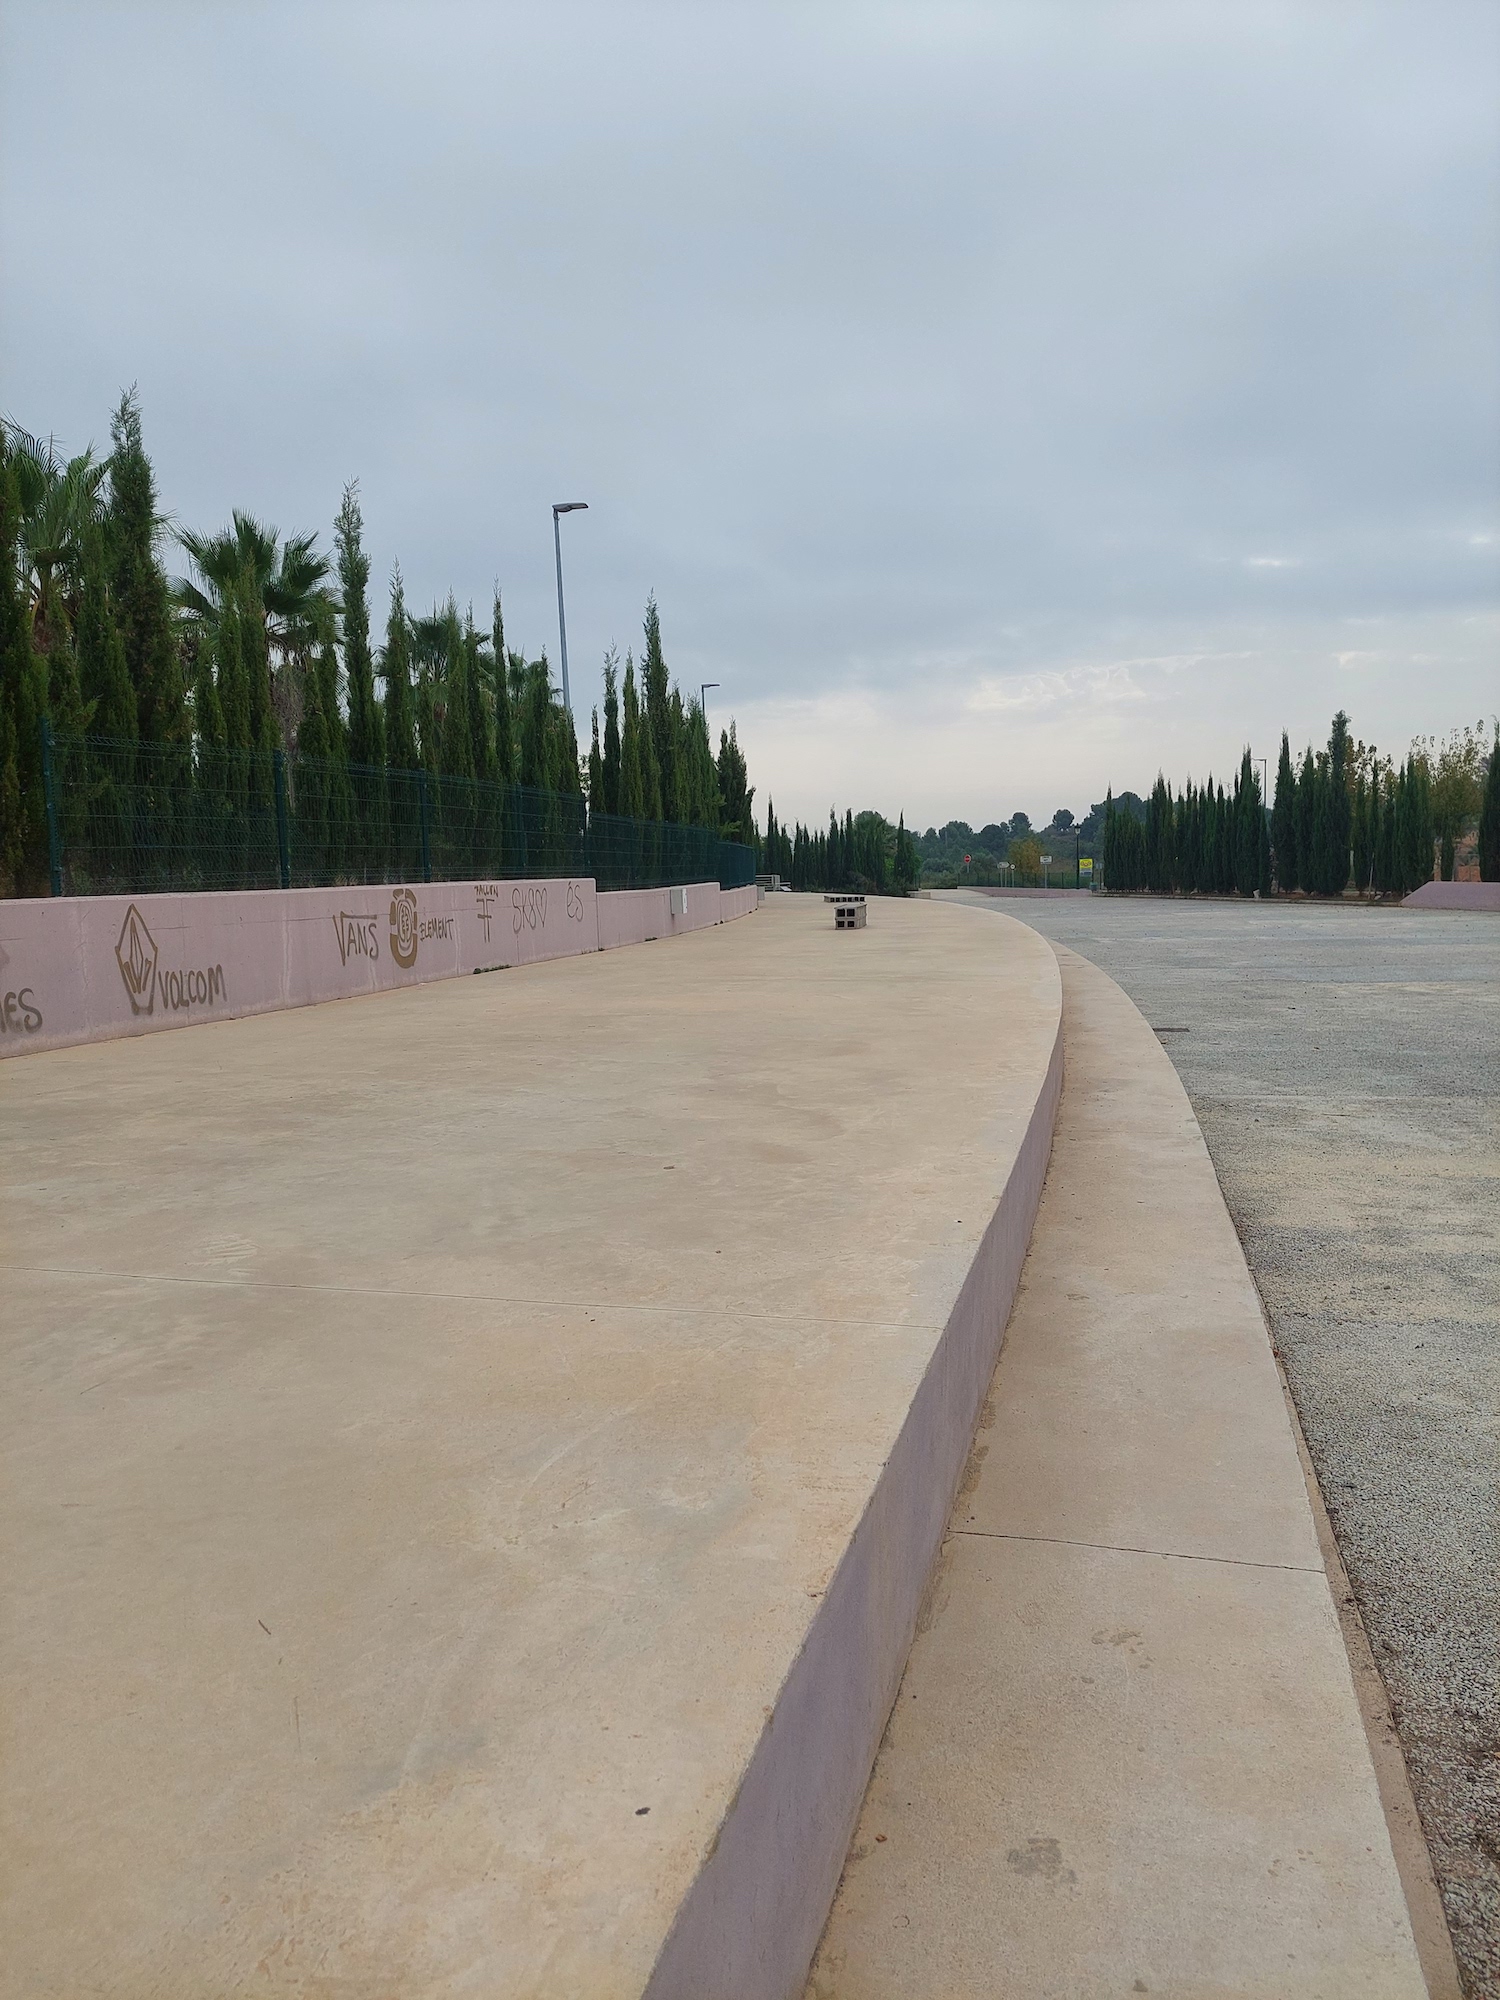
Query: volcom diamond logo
x=136, y=956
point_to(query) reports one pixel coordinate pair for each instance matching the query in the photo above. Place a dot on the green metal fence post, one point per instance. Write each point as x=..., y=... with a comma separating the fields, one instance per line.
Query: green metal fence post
x=49, y=794
x=426, y=834
x=283, y=844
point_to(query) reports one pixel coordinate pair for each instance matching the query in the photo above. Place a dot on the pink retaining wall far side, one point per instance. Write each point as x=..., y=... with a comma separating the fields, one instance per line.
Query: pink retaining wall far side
x=634, y=916
x=90, y=968
x=1454, y=896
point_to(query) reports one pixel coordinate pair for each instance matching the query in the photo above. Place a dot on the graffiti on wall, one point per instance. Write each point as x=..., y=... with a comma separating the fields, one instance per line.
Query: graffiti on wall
x=356, y=931
x=139, y=959
x=404, y=928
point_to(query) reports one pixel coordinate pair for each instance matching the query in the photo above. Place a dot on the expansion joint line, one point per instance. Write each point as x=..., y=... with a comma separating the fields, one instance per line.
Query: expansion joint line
x=1129, y=1549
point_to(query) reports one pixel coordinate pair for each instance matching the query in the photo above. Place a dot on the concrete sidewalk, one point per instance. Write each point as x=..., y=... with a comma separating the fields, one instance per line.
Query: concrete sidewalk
x=1127, y=1755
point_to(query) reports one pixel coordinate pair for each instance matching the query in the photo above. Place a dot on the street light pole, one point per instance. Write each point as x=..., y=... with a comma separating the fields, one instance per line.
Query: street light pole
x=563, y=507
x=703, y=689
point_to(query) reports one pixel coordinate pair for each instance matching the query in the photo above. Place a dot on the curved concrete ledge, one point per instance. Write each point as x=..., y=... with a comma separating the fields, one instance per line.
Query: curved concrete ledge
x=750, y=1922
x=92, y=968
x=474, y=1462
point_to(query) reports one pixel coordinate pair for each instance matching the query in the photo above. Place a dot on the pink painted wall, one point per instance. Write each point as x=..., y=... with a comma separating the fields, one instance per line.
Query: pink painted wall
x=89, y=968
x=632, y=916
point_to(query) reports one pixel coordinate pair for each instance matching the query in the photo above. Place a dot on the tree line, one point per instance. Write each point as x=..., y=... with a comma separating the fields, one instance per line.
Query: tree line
x=862, y=852
x=1341, y=815
x=267, y=647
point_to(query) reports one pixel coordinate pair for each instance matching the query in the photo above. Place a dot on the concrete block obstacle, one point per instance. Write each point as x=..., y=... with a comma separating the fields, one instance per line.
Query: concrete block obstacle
x=1454, y=896
x=1127, y=1755
x=473, y=1460
x=88, y=968
x=849, y=913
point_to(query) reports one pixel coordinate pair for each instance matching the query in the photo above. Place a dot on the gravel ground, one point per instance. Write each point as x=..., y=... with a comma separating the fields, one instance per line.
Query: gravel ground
x=1344, y=1064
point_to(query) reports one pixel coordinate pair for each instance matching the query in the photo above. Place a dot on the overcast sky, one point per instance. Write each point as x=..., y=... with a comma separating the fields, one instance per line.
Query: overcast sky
x=1002, y=401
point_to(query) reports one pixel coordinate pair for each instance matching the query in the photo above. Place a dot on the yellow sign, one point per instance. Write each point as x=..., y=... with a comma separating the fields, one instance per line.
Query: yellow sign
x=1086, y=864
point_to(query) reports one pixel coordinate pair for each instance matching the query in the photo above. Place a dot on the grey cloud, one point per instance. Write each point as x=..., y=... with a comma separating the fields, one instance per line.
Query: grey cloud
x=905, y=352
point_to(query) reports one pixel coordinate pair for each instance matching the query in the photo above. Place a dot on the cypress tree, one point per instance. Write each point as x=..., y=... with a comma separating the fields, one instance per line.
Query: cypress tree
x=736, y=797
x=366, y=733
x=23, y=703
x=1387, y=835
x=596, y=771
x=340, y=788
x=1423, y=831
x=505, y=718
x=456, y=751
x=1111, y=841
x=208, y=710
x=234, y=682
x=1284, y=821
x=632, y=793
x=427, y=714
x=480, y=735
x=1361, y=832
x=326, y=666
x=400, y=718
x=610, y=775
x=650, y=772
x=139, y=596
x=1337, y=876
x=1323, y=836
x=1248, y=828
x=535, y=735
x=1189, y=839
x=312, y=792
x=1403, y=842
x=104, y=678
x=656, y=703
x=1306, y=818
x=1489, y=818
x=567, y=776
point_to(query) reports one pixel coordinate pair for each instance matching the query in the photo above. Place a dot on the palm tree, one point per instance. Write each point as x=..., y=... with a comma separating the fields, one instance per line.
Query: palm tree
x=61, y=502
x=287, y=582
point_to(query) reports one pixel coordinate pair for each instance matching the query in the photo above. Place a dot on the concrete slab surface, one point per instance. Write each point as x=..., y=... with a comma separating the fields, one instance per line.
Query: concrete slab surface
x=433, y=1427
x=1127, y=1755
x=1344, y=1064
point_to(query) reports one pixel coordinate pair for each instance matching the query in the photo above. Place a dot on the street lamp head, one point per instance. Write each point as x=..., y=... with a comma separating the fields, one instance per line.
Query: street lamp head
x=570, y=506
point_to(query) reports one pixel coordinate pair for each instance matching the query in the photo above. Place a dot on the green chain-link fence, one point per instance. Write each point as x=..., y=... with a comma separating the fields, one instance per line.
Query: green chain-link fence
x=133, y=817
